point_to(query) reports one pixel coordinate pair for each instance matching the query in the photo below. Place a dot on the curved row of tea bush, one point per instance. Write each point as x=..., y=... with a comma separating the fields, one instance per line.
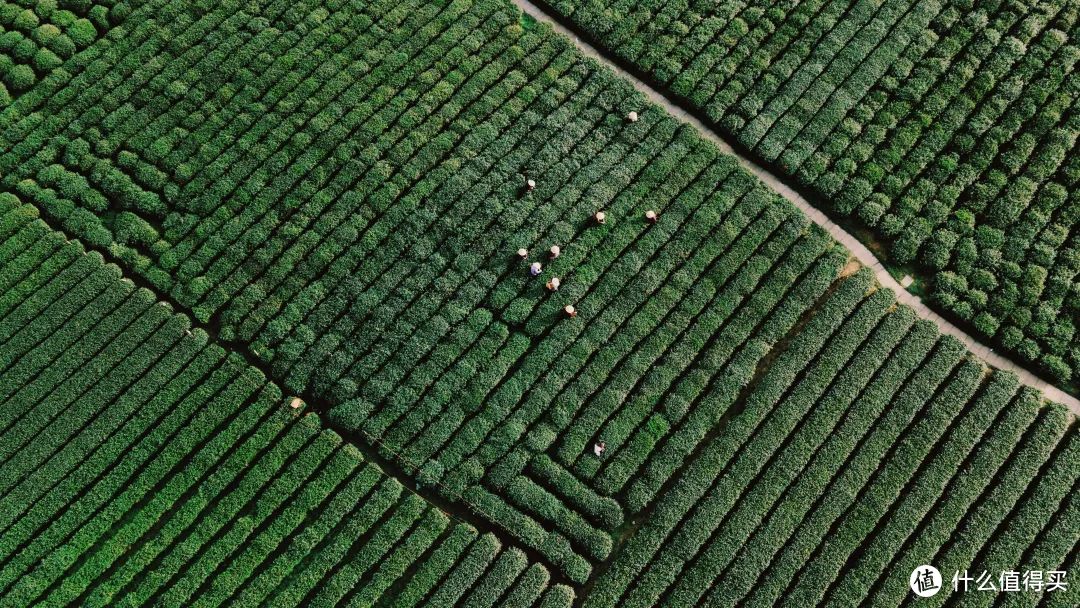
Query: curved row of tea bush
x=948, y=128
x=143, y=464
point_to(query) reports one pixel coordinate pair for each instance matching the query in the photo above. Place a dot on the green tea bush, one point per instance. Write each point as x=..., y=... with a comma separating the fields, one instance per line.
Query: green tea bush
x=164, y=469
x=337, y=192
x=902, y=116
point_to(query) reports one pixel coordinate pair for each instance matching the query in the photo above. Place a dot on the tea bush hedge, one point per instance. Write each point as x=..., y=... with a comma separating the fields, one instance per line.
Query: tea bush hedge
x=332, y=195
x=945, y=128
x=143, y=464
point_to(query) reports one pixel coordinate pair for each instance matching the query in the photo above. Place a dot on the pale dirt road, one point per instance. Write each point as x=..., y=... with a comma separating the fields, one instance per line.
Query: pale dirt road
x=856, y=247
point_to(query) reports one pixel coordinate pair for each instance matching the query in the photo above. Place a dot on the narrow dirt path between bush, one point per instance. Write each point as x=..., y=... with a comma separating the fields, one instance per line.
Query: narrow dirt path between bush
x=853, y=244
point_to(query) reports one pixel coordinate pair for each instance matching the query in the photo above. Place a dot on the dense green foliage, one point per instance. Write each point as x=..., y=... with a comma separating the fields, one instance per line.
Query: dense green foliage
x=870, y=445
x=338, y=189
x=947, y=127
x=36, y=37
x=143, y=464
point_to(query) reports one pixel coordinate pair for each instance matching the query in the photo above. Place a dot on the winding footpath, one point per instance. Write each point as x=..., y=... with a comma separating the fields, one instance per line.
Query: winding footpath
x=858, y=250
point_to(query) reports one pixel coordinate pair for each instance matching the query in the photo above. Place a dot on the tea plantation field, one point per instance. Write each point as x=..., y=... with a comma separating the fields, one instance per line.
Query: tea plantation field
x=947, y=129
x=266, y=339
x=144, y=464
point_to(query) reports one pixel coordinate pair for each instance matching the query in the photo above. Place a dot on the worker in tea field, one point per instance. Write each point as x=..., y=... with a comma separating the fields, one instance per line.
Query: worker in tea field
x=598, y=448
x=570, y=311
x=651, y=217
x=553, y=284
x=535, y=269
x=555, y=251
x=632, y=116
x=600, y=217
x=523, y=253
x=530, y=185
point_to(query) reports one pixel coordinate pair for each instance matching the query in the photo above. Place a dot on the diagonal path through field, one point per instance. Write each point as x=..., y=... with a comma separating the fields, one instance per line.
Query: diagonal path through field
x=388, y=460
x=860, y=251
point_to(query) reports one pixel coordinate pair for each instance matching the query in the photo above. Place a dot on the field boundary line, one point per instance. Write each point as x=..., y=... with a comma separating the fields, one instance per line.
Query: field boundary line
x=540, y=12
x=371, y=448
